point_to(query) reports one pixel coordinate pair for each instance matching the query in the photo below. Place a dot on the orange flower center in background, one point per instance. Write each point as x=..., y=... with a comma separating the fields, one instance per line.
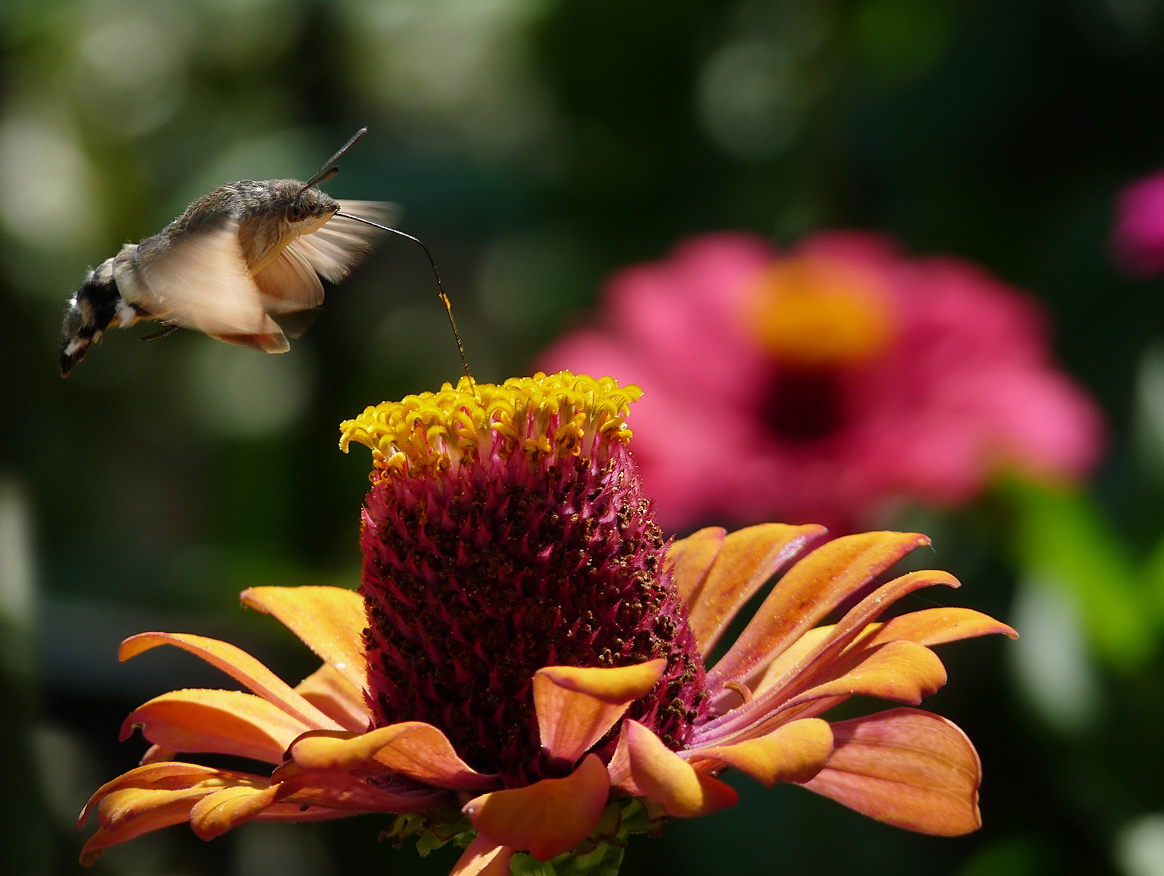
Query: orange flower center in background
x=810, y=313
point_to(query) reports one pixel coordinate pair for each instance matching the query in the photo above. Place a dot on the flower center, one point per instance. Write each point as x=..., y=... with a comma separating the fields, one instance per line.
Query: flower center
x=542, y=417
x=810, y=313
x=805, y=405
x=505, y=531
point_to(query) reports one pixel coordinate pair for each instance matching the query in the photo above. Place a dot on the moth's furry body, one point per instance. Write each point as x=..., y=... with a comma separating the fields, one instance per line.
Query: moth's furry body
x=234, y=262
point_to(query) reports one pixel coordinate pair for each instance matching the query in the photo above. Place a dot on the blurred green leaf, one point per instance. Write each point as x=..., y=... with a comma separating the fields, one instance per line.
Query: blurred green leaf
x=1154, y=574
x=1009, y=857
x=901, y=39
x=1061, y=537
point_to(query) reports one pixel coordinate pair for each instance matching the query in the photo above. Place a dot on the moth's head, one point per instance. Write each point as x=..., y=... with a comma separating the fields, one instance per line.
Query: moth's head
x=308, y=208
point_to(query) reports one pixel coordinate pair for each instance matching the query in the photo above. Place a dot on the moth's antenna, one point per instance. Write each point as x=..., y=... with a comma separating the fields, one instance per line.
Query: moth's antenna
x=432, y=263
x=328, y=171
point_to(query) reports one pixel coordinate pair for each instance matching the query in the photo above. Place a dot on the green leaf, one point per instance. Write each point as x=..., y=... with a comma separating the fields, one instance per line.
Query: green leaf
x=603, y=860
x=1062, y=539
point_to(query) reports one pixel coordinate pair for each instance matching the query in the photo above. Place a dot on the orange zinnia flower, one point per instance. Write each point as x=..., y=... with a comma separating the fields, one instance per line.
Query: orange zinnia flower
x=522, y=670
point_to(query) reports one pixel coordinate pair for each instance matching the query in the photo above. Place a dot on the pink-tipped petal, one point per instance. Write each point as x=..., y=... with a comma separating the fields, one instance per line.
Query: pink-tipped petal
x=619, y=769
x=907, y=768
x=239, y=665
x=812, y=588
x=691, y=559
x=484, y=857
x=157, y=754
x=330, y=692
x=548, y=818
x=413, y=748
x=576, y=706
x=216, y=722
x=747, y=559
x=664, y=777
x=329, y=620
x=793, y=753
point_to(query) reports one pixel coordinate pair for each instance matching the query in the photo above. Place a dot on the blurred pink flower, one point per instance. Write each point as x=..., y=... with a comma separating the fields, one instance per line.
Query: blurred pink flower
x=830, y=382
x=1138, y=239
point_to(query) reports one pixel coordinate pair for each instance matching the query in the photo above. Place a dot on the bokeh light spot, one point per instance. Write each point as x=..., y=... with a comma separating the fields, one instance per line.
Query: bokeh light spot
x=240, y=393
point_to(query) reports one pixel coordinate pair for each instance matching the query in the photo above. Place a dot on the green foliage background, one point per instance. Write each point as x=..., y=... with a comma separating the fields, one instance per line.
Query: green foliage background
x=537, y=145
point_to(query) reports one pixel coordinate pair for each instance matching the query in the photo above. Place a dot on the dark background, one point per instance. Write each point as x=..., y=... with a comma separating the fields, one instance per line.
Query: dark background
x=537, y=145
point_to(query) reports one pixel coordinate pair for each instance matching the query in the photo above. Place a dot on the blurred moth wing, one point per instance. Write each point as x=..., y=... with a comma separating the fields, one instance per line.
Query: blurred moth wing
x=200, y=281
x=289, y=286
x=342, y=243
x=203, y=280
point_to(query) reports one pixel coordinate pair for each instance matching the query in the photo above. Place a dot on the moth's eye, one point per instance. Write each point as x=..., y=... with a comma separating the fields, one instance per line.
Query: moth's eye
x=297, y=212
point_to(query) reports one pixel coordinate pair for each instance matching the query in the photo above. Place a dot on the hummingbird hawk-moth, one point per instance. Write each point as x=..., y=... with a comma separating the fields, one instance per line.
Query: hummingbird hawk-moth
x=235, y=264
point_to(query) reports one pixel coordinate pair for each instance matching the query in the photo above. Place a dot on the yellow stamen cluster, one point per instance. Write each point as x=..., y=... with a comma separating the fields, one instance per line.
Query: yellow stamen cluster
x=558, y=415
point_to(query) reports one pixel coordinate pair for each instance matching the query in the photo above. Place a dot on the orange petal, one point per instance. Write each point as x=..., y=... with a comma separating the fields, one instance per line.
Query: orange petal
x=172, y=812
x=576, y=706
x=932, y=626
x=747, y=559
x=341, y=791
x=171, y=776
x=151, y=797
x=328, y=620
x=280, y=811
x=907, y=768
x=413, y=748
x=812, y=588
x=823, y=660
x=484, y=857
x=901, y=671
x=216, y=722
x=214, y=815
x=793, y=753
x=549, y=817
x=217, y=813
x=239, y=665
x=691, y=558
x=663, y=776
x=128, y=804
x=335, y=696
x=936, y=626
x=904, y=672
x=798, y=651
